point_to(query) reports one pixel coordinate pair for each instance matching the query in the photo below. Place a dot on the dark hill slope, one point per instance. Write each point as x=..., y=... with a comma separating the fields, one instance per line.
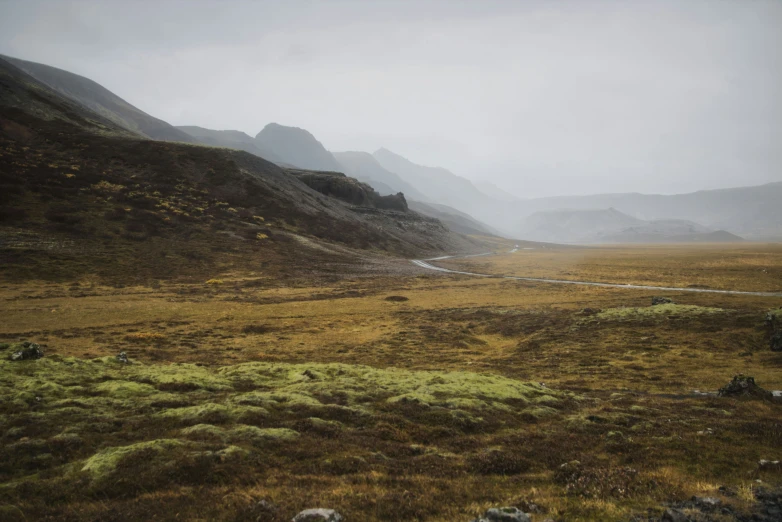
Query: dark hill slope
x=349, y=190
x=23, y=96
x=455, y=220
x=233, y=139
x=76, y=199
x=101, y=101
x=297, y=147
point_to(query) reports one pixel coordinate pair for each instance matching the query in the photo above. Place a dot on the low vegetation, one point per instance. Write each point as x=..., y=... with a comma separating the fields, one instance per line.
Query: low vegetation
x=390, y=398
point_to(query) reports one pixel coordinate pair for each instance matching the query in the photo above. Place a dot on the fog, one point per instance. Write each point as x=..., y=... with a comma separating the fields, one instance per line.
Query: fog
x=538, y=97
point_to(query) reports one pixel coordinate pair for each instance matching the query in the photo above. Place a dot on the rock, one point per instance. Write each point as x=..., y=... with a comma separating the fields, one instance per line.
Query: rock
x=318, y=515
x=744, y=386
x=657, y=300
x=504, y=514
x=769, y=464
x=775, y=343
x=674, y=515
x=258, y=511
x=707, y=503
x=123, y=358
x=589, y=311
x=529, y=507
x=26, y=351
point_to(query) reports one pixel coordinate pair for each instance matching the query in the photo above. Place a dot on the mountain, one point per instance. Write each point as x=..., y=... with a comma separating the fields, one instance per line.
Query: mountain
x=455, y=220
x=296, y=147
x=442, y=186
x=80, y=195
x=575, y=226
x=653, y=233
x=365, y=167
x=101, y=101
x=232, y=139
x=493, y=191
x=438, y=184
x=750, y=212
x=613, y=226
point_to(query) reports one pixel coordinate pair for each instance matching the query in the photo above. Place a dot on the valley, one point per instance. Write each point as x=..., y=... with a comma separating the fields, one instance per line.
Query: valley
x=199, y=324
x=401, y=396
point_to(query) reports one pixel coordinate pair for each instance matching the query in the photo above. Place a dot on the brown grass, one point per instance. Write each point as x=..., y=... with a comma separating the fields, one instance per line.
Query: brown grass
x=636, y=429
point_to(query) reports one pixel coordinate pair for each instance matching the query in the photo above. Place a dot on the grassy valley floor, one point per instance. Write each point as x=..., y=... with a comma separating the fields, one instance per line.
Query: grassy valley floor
x=398, y=397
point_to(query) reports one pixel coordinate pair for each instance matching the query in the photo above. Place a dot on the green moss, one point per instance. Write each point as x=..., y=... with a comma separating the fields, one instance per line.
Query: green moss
x=653, y=312
x=204, y=432
x=203, y=413
x=540, y=412
x=125, y=389
x=105, y=462
x=253, y=433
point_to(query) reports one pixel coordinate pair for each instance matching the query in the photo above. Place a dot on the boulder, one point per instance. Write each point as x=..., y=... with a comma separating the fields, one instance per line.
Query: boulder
x=504, y=514
x=658, y=300
x=744, y=386
x=26, y=351
x=674, y=515
x=775, y=343
x=318, y=515
x=123, y=358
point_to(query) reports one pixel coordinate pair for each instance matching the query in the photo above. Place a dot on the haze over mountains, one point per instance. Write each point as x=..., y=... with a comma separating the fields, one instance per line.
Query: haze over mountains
x=464, y=206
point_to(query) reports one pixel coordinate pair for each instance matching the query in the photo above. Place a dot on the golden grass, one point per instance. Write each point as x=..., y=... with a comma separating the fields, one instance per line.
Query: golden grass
x=633, y=365
x=741, y=266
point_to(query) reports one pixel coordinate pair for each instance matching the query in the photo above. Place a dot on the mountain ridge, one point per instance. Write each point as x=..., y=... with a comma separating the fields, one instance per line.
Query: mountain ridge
x=100, y=100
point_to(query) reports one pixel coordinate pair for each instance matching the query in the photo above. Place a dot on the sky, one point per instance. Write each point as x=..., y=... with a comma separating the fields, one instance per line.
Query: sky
x=539, y=97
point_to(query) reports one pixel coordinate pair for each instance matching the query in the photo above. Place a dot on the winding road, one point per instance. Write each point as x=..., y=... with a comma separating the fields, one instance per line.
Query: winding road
x=426, y=263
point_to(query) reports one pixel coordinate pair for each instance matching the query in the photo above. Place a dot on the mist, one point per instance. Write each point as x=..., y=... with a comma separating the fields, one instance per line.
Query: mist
x=540, y=98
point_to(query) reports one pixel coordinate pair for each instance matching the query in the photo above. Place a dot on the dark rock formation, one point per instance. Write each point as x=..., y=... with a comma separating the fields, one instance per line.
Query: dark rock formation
x=743, y=386
x=26, y=351
x=657, y=300
x=349, y=190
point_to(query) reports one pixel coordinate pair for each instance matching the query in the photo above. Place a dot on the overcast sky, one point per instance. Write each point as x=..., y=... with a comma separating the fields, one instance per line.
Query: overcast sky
x=539, y=97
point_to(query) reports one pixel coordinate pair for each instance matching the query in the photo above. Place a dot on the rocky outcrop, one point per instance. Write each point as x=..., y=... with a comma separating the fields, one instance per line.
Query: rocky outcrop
x=744, y=386
x=657, y=300
x=504, y=514
x=24, y=351
x=318, y=515
x=349, y=190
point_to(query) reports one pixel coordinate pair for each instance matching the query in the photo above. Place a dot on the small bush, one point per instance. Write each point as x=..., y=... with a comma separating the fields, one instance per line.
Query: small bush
x=257, y=329
x=498, y=462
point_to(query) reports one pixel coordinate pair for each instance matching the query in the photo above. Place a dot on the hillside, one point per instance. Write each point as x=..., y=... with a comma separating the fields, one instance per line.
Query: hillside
x=82, y=196
x=296, y=147
x=749, y=212
x=232, y=139
x=442, y=186
x=365, y=167
x=455, y=220
x=101, y=101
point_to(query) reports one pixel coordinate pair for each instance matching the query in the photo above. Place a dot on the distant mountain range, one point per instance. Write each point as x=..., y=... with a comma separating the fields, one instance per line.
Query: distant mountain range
x=612, y=226
x=232, y=139
x=750, y=212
